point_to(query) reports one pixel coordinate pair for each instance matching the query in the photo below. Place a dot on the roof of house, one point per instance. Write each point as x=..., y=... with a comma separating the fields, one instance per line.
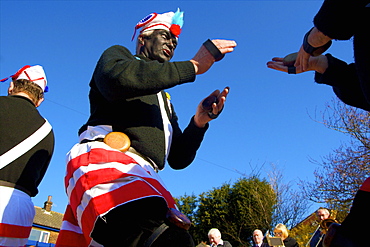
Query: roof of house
x=309, y=220
x=48, y=218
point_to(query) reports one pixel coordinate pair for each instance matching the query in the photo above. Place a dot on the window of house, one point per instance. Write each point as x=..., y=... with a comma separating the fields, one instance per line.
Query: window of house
x=40, y=236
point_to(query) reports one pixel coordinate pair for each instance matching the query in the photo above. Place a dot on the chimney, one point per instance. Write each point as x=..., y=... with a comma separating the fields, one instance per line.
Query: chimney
x=48, y=204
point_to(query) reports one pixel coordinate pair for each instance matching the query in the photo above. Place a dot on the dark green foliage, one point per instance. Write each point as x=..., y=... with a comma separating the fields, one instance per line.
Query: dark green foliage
x=236, y=210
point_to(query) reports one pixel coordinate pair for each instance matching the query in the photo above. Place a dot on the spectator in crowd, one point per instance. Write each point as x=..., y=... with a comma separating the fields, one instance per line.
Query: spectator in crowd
x=258, y=239
x=280, y=230
x=318, y=235
x=214, y=236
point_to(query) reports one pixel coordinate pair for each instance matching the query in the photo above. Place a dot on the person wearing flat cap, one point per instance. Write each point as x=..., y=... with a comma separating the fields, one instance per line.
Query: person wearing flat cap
x=27, y=144
x=116, y=197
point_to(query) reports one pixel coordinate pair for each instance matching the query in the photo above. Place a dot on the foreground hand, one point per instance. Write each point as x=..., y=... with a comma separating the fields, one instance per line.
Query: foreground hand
x=319, y=64
x=203, y=60
x=302, y=60
x=202, y=116
x=315, y=39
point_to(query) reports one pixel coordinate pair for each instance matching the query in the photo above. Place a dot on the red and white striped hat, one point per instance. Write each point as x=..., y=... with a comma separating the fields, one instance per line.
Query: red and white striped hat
x=34, y=74
x=169, y=21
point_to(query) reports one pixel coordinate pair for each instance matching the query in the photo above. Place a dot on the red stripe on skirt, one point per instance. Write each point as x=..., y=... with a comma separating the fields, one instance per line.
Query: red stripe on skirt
x=70, y=216
x=93, y=178
x=14, y=231
x=103, y=203
x=96, y=156
x=70, y=239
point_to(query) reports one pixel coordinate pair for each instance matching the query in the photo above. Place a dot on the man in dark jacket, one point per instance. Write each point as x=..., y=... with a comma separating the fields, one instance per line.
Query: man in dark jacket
x=214, y=236
x=318, y=235
x=258, y=239
x=122, y=201
x=27, y=144
x=350, y=82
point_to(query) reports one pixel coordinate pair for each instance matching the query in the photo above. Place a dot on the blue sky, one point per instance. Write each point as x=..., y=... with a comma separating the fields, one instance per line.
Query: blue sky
x=268, y=114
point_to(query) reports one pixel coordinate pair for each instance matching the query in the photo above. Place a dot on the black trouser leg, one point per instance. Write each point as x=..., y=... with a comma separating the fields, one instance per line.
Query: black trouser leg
x=129, y=225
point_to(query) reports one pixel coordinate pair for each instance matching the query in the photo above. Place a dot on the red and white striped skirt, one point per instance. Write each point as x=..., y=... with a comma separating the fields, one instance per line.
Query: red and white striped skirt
x=16, y=217
x=99, y=179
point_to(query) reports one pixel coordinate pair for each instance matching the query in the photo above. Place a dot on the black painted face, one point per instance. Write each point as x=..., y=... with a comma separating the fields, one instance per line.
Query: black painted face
x=160, y=46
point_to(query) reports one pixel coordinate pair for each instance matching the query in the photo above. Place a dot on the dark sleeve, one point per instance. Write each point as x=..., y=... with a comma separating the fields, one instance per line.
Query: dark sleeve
x=344, y=80
x=119, y=74
x=339, y=19
x=296, y=244
x=291, y=242
x=184, y=144
x=227, y=244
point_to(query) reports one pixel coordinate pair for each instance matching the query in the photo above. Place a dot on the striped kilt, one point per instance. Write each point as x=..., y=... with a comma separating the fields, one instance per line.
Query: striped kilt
x=99, y=179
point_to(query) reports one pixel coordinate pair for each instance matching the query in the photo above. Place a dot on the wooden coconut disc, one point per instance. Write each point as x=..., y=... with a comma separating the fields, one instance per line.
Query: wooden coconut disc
x=118, y=140
x=289, y=60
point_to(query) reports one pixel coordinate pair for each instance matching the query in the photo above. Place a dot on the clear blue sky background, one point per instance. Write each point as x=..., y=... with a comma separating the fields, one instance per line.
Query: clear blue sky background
x=267, y=114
